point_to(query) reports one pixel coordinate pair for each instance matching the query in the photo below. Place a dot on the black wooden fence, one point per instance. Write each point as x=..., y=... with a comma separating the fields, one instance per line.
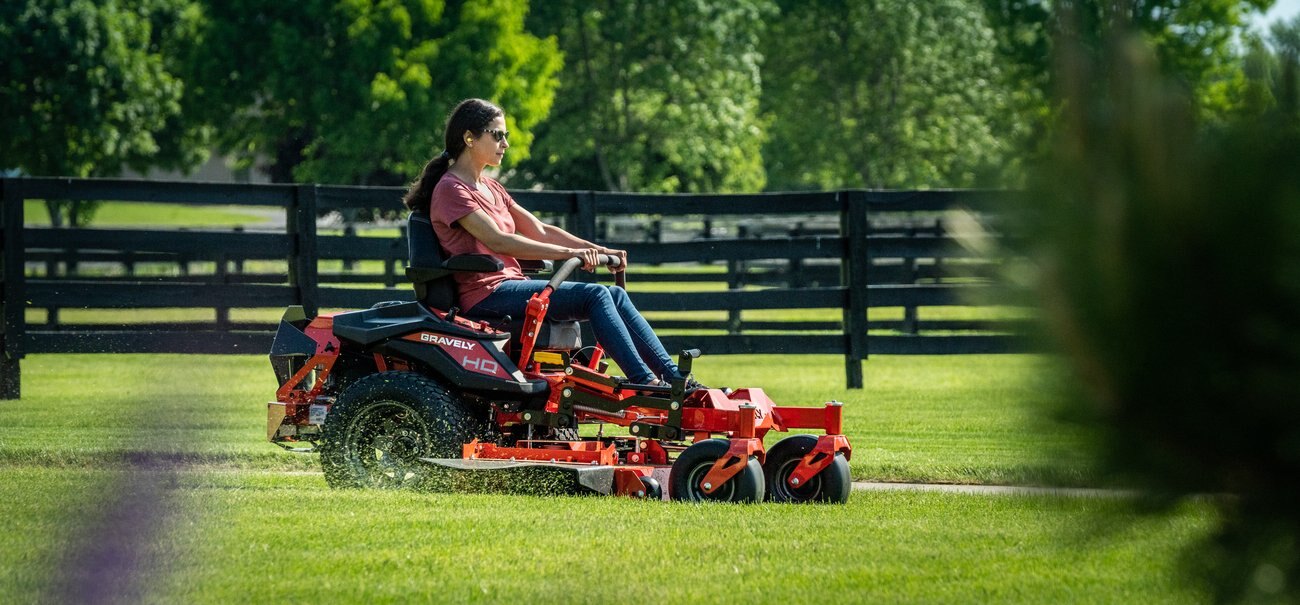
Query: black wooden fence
x=882, y=249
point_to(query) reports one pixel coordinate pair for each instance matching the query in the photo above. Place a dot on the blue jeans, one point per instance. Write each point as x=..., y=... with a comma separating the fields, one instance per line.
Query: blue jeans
x=619, y=327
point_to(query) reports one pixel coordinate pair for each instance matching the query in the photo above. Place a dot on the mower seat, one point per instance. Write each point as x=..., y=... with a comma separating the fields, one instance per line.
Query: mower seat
x=431, y=274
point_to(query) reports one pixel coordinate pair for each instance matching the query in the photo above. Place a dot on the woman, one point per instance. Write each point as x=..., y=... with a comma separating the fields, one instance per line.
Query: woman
x=472, y=214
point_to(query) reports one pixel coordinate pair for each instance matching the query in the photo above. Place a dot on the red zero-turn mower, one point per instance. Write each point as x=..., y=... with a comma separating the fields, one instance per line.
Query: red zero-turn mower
x=397, y=393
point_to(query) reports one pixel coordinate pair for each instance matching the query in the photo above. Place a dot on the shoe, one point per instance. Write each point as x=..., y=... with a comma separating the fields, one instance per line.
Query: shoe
x=694, y=385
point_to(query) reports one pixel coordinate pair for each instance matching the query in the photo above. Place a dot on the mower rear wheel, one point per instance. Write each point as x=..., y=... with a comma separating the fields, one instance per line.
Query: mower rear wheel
x=832, y=484
x=696, y=462
x=381, y=426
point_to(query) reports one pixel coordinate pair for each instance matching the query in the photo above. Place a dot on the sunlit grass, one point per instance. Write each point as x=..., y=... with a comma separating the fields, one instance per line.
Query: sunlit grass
x=965, y=419
x=120, y=214
x=241, y=512
x=880, y=547
x=226, y=536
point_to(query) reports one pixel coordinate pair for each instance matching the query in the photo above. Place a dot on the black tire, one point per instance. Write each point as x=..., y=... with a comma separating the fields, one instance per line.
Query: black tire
x=694, y=463
x=381, y=426
x=832, y=485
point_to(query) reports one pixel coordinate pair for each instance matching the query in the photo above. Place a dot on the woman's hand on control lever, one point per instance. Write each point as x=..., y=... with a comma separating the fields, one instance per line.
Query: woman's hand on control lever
x=620, y=254
x=590, y=258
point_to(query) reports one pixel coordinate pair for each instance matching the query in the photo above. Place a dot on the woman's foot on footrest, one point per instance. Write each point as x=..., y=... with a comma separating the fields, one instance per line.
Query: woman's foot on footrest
x=694, y=385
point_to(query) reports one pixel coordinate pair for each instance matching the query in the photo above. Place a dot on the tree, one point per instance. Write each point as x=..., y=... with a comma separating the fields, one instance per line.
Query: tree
x=656, y=95
x=1285, y=38
x=1168, y=250
x=353, y=91
x=881, y=94
x=88, y=89
x=1192, y=40
x=1269, y=69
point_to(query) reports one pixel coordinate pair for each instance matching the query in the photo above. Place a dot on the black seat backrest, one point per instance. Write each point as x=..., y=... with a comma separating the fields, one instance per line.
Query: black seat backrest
x=436, y=288
x=425, y=253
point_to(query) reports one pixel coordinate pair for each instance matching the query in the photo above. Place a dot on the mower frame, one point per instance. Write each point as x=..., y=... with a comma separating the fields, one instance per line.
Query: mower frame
x=552, y=392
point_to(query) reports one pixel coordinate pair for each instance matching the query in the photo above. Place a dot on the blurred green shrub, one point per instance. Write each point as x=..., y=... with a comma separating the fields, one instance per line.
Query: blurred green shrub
x=1168, y=256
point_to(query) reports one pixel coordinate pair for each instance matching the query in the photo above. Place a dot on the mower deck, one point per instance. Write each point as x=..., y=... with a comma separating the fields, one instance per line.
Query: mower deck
x=587, y=478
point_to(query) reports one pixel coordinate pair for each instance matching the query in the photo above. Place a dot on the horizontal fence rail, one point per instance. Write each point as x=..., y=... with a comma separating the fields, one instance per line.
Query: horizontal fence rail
x=832, y=254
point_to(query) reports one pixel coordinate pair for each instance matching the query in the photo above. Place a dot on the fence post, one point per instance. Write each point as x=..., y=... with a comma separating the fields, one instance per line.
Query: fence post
x=582, y=216
x=349, y=231
x=12, y=303
x=581, y=221
x=239, y=262
x=853, y=267
x=302, y=260
x=736, y=281
x=910, y=275
x=399, y=251
x=795, y=267
x=221, y=275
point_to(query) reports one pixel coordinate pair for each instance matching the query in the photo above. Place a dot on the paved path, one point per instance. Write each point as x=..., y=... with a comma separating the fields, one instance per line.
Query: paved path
x=990, y=489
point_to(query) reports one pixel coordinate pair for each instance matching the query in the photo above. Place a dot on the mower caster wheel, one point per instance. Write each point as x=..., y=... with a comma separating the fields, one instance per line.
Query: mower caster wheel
x=832, y=484
x=696, y=462
x=653, y=491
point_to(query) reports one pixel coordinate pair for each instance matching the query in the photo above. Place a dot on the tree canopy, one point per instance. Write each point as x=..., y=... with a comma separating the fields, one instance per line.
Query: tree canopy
x=87, y=87
x=879, y=94
x=631, y=95
x=353, y=91
x=1192, y=41
x=656, y=95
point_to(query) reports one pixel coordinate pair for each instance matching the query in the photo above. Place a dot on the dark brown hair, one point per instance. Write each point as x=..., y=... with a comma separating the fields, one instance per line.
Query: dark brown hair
x=472, y=115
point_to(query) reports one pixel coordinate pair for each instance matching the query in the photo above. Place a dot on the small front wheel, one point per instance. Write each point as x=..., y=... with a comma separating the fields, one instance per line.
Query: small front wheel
x=653, y=491
x=832, y=484
x=696, y=462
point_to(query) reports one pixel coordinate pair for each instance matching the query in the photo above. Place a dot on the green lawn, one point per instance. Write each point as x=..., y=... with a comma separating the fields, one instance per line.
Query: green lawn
x=959, y=419
x=120, y=214
x=266, y=537
x=238, y=519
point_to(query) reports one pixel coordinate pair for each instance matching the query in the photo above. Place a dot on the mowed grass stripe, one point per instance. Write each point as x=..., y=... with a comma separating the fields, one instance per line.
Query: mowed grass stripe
x=237, y=536
x=243, y=522
x=240, y=535
x=963, y=419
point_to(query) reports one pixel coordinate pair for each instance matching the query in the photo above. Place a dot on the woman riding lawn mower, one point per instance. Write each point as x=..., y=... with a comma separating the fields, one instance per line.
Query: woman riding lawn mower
x=397, y=392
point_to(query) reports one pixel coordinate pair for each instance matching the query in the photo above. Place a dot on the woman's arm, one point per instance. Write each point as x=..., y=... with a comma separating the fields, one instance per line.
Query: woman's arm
x=485, y=230
x=533, y=228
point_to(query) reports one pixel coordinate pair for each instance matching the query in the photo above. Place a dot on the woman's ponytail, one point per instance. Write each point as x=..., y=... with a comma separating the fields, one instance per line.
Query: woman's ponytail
x=417, y=198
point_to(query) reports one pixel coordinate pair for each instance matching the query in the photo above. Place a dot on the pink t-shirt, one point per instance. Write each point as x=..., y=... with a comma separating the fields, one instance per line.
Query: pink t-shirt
x=453, y=199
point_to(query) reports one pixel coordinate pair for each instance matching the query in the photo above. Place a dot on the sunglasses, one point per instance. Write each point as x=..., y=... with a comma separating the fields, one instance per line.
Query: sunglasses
x=498, y=135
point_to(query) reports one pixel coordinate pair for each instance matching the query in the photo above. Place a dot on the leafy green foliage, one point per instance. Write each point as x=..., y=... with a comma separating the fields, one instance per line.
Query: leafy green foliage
x=89, y=88
x=655, y=96
x=1285, y=42
x=86, y=88
x=887, y=94
x=1193, y=41
x=351, y=91
x=1169, y=258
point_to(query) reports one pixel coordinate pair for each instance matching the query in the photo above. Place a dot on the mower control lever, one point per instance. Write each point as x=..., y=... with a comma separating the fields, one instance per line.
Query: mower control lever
x=566, y=269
